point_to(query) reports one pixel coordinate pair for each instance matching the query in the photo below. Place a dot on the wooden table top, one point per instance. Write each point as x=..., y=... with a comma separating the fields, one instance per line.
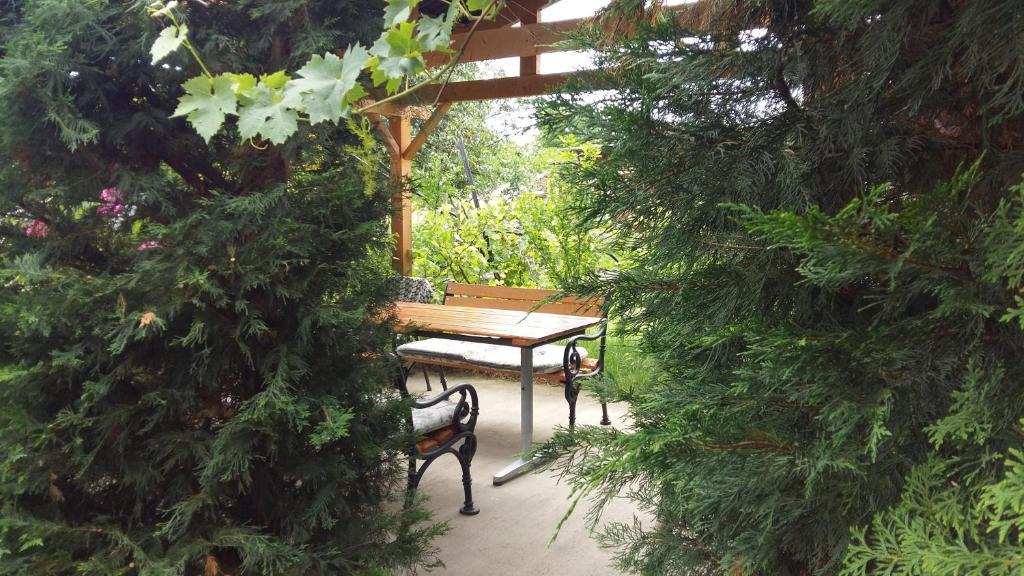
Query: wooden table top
x=513, y=327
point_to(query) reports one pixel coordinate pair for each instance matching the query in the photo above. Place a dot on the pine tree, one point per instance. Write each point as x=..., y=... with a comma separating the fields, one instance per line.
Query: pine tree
x=824, y=202
x=190, y=370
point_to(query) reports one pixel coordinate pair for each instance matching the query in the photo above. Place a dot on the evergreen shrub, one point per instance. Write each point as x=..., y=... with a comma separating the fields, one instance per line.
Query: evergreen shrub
x=192, y=380
x=826, y=200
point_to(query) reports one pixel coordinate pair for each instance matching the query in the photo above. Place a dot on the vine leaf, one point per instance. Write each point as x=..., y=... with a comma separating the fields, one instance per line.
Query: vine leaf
x=270, y=110
x=169, y=40
x=327, y=83
x=396, y=55
x=434, y=33
x=480, y=5
x=206, y=103
x=242, y=84
x=398, y=11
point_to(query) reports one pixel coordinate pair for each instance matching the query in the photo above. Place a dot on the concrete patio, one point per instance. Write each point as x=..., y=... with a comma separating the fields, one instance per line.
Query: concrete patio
x=511, y=534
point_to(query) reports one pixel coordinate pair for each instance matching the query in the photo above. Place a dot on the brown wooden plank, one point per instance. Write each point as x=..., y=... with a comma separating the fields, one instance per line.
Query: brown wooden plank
x=460, y=290
x=401, y=197
x=527, y=40
x=511, y=293
x=488, y=325
x=488, y=321
x=518, y=328
x=392, y=109
x=529, y=64
x=421, y=137
x=508, y=15
x=506, y=292
x=493, y=89
x=529, y=306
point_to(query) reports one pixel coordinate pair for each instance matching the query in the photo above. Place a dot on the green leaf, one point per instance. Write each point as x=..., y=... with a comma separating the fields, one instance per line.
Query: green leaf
x=243, y=84
x=169, y=40
x=480, y=5
x=271, y=114
x=325, y=83
x=398, y=11
x=163, y=9
x=206, y=103
x=275, y=81
x=401, y=40
x=392, y=70
x=434, y=33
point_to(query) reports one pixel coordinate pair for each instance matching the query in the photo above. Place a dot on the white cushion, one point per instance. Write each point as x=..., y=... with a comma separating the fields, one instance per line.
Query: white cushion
x=425, y=420
x=547, y=359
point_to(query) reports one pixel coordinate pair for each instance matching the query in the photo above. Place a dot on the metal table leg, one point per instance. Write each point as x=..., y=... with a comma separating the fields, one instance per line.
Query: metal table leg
x=522, y=465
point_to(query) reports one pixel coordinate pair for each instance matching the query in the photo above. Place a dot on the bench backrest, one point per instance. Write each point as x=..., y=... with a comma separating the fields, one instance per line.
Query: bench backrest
x=520, y=299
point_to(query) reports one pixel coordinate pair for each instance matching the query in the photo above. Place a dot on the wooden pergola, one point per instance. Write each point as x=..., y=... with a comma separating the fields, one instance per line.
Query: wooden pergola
x=516, y=32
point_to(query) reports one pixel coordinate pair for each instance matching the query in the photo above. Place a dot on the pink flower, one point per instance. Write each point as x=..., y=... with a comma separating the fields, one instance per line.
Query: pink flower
x=36, y=229
x=110, y=209
x=150, y=245
x=112, y=202
x=111, y=195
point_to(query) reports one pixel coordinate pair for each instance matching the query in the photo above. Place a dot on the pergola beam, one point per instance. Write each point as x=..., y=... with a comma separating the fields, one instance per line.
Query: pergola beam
x=394, y=109
x=510, y=14
x=523, y=41
x=496, y=88
x=428, y=128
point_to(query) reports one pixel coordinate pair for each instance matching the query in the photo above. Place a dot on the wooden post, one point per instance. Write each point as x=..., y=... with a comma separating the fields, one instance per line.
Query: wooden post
x=528, y=64
x=401, y=199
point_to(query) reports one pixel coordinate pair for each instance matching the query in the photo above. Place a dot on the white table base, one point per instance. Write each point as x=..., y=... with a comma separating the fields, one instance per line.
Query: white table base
x=521, y=465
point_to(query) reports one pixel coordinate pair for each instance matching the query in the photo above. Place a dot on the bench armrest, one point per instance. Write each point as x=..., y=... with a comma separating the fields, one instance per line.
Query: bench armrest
x=572, y=363
x=468, y=405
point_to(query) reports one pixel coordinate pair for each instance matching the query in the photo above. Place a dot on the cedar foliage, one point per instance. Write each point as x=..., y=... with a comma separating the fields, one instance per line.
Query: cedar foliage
x=189, y=382
x=824, y=202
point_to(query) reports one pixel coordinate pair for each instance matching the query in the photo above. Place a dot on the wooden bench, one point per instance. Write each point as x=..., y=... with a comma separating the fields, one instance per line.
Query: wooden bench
x=567, y=365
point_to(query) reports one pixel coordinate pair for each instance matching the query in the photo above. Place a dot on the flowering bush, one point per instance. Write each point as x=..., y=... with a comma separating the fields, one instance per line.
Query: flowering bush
x=112, y=202
x=36, y=229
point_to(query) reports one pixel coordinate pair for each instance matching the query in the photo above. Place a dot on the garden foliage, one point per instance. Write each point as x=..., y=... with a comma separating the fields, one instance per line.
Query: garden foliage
x=826, y=206
x=190, y=377
x=511, y=224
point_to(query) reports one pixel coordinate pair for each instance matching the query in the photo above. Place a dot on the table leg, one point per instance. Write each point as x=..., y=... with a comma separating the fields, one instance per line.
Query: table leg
x=521, y=465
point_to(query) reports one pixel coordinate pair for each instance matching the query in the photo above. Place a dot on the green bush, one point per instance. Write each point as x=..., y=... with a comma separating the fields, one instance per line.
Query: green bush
x=831, y=293
x=519, y=230
x=193, y=382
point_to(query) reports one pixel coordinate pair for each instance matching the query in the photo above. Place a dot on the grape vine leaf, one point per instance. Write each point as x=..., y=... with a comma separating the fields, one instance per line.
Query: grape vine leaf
x=398, y=11
x=242, y=84
x=479, y=5
x=169, y=40
x=270, y=110
x=397, y=55
x=434, y=33
x=206, y=103
x=160, y=9
x=327, y=81
x=275, y=81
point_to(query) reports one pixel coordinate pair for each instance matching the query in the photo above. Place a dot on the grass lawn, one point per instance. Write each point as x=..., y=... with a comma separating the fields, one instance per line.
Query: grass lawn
x=630, y=367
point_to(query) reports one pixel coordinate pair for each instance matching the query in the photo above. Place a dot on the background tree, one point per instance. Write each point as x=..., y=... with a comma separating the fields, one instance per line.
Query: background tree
x=828, y=274
x=192, y=384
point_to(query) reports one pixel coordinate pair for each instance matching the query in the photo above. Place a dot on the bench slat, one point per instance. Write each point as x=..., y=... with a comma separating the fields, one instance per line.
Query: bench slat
x=558, y=307
x=520, y=299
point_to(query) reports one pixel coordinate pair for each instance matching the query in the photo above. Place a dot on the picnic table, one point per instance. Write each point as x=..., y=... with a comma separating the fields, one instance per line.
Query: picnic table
x=521, y=329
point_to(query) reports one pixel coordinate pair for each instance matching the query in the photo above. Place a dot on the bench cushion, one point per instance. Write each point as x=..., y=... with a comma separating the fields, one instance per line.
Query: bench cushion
x=426, y=420
x=546, y=359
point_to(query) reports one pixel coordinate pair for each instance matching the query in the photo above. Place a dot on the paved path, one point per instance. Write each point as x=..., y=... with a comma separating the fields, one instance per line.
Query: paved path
x=511, y=534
